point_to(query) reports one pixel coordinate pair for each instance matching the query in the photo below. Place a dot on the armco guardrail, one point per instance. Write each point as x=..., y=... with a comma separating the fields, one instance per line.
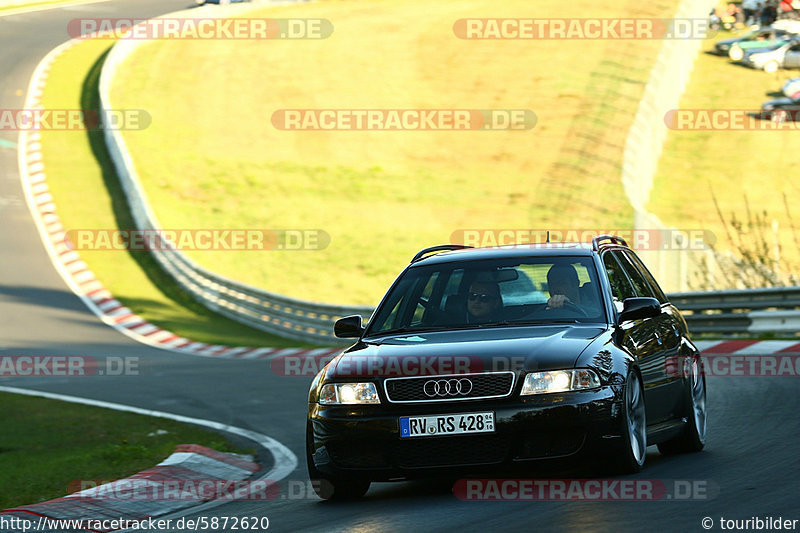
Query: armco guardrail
x=772, y=310
x=274, y=313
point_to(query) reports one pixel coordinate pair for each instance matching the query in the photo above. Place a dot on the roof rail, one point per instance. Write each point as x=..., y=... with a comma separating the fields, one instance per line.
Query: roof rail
x=439, y=248
x=596, y=242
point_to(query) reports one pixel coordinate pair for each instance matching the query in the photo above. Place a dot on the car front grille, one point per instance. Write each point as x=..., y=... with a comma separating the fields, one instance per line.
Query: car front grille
x=449, y=387
x=451, y=451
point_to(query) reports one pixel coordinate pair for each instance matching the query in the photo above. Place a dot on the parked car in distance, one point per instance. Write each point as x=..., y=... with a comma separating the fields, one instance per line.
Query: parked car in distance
x=220, y=2
x=758, y=38
x=785, y=56
x=791, y=89
x=781, y=110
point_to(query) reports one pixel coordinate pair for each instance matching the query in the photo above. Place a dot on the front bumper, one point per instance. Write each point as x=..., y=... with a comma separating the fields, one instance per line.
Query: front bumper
x=364, y=441
x=748, y=61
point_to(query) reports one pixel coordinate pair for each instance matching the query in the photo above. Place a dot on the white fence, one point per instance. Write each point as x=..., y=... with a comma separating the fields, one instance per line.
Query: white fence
x=645, y=141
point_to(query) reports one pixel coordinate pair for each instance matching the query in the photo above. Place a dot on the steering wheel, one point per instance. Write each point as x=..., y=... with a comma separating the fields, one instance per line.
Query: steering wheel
x=573, y=307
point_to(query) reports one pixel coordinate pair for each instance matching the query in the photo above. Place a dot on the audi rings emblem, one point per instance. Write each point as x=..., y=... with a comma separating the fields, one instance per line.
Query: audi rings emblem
x=447, y=387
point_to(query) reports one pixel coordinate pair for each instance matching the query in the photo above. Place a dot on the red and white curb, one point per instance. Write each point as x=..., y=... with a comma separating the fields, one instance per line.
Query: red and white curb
x=190, y=476
x=76, y=272
x=748, y=347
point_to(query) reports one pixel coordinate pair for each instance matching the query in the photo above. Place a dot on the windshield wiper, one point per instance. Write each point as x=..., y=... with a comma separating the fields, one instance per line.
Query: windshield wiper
x=547, y=321
x=397, y=331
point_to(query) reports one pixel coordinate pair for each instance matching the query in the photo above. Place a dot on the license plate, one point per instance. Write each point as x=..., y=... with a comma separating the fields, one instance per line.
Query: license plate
x=429, y=426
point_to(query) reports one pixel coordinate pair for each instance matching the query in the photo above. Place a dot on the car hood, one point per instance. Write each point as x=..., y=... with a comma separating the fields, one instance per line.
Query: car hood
x=466, y=351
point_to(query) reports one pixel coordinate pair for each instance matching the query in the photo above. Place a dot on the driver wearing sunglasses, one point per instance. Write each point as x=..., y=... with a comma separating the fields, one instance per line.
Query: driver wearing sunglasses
x=484, y=303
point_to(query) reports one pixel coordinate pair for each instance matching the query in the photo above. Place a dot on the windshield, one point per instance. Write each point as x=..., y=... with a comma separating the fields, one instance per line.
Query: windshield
x=492, y=293
x=752, y=34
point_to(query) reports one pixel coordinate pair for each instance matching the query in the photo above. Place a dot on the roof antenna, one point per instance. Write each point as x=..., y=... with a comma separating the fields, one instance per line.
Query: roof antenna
x=548, y=237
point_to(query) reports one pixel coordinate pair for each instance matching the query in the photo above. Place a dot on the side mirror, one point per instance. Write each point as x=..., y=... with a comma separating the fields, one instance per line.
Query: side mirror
x=639, y=308
x=348, y=327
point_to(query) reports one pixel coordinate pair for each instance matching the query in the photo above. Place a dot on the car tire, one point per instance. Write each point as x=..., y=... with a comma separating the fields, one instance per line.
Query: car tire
x=693, y=436
x=629, y=457
x=328, y=487
x=771, y=66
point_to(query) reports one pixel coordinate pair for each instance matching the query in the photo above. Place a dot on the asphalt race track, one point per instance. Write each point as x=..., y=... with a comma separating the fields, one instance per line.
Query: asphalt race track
x=751, y=465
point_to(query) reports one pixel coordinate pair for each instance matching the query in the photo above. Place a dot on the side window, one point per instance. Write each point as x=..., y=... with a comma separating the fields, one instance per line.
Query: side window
x=620, y=286
x=659, y=294
x=639, y=284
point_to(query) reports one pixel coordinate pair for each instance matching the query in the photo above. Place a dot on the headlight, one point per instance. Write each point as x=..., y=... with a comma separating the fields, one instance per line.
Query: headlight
x=348, y=394
x=559, y=381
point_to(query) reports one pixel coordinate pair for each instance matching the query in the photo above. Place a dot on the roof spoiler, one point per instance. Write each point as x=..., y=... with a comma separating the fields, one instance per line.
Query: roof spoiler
x=612, y=239
x=440, y=248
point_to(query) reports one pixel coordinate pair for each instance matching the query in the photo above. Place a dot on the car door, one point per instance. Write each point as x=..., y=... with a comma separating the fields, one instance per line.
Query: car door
x=663, y=384
x=638, y=337
x=665, y=332
x=674, y=334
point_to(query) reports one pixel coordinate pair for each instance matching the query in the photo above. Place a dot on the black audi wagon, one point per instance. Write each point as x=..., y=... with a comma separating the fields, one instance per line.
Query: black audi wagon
x=490, y=359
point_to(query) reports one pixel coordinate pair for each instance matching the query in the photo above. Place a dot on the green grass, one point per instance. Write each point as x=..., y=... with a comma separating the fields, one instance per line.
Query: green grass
x=92, y=444
x=212, y=158
x=33, y=3
x=737, y=167
x=88, y=195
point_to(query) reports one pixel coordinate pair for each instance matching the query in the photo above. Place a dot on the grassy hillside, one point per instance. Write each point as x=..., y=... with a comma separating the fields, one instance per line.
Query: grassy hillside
x=212, y=158
x=741, y=169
